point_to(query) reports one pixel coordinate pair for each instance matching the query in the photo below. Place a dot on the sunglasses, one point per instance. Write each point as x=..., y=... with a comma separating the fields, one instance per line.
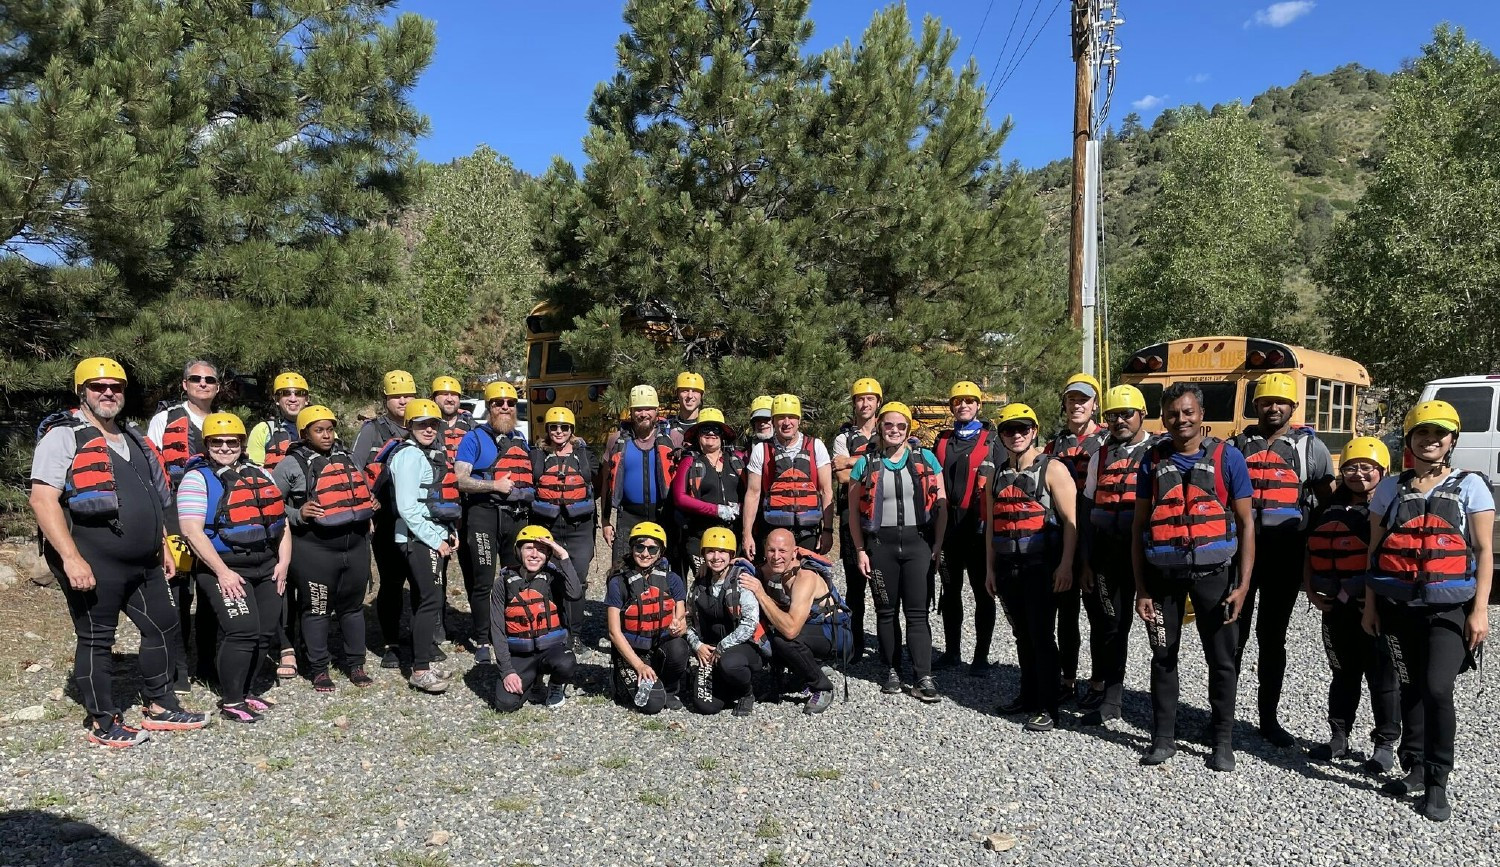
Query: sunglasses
x=196, y=378
x=292, y=392
x=1012, y=430
x=711, y=432
x=503, y=401
x=224, y=444
x=893, y=425
x=1119, y=415
x=965, y=400
x=554, y=428
x=646, y=548
x=107, y=387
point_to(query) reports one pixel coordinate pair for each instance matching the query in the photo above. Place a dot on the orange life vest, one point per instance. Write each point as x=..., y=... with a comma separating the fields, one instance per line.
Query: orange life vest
x=89, y=487
x=533, y=620
x=1338, y=550
x=511, y=455
x=282, y=435
x=1024, y=520
x=336, y=484
x=1191, y=524
x=789, y=486
x=1276, y=469
x=562, y=484
x=917, y=473
x=646, y=616
x=180, y=442
x=964, y=483
x=453, y=433
x=246, y=514
x=1425, y=554
x=1114, y=487
x=1075, y=451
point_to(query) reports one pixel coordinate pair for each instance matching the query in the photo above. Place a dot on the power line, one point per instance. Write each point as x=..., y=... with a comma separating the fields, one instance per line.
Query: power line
x=1006, y=44
x=1019, y=60
x=977, y=36
x=1024, y=30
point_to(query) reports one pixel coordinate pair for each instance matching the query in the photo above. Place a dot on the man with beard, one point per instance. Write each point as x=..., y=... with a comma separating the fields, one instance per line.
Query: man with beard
x=636, y=474
x=758, y=430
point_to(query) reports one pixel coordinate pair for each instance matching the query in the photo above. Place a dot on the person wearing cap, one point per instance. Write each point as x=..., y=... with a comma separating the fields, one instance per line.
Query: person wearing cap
x=527, y=608
x=1106, y=515
x=1338, y=558
x=961, y=450
x=706, y=489
x=269, y=442
x=758, y=429
x=690, y=389
x=1291, y=475
x=646, y=614
x=636, y=483
x=1431, y=568
x=376, y=437
x=100, y=494
x=788, y=484
x=494, y=472
x=564, y=468
x=329, y=507
x=233, y=517
x=850, y=443
x=1077, y=442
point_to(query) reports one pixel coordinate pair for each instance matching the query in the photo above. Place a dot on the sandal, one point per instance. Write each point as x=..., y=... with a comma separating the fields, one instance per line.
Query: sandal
x=287, y=670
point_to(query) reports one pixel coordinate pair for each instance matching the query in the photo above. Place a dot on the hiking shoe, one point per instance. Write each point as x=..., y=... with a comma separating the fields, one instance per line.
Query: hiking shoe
x=892, y=683
x=322, y=682
x=1091, y=700
x=170, y=720
x=926, y=690
x=118, y=735
x=1161, y=751
x=1435, y=804
x=1275, y=735
x=1011, y=708
x=358, y=677
x=390, y=658
x=948, y=659
x=484, y=654
x=428, y=681
x=674, y=701
x=819, y=701
x=1040, y=722
x=981, y=668
x=1222, y=759
x=1414, y=781
x=257, y=704
x=557, y=696
x=239, y=712
x=745, y=706
x=1381, y=761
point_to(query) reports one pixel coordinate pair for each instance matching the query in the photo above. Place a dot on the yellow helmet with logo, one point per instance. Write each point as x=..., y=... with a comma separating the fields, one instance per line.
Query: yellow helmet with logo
x=964, y=388
x=1124, y=397
x=866, y=385
x=718, y=538
x=399, y=382
x=643, y=397
x=560, y=415
x=1367, y=449
x=315, y=413
x=761, y=406
x=693, y=381
x=897, y=406
x=97, y=367
x=288, y=379
x=1276, y=385
x=1083, y=384
x=420, y=409
x=498, y=390
x=223, y=424
x=1016, y=412
x=786, y=404
x=448, y=384
x=649, y=530
x=182, y=555
x=532, y=533
x=1438, y=413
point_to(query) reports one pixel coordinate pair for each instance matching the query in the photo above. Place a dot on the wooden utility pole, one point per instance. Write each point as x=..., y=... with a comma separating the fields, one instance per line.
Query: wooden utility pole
x=1084, y=13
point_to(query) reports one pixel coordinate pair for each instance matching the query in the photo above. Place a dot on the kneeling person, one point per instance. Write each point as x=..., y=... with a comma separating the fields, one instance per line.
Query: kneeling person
x=526, y=607
x=646, y=604
x=724, y=628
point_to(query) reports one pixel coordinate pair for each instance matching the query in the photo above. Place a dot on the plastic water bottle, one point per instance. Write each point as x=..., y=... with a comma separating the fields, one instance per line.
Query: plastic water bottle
x=643, y=692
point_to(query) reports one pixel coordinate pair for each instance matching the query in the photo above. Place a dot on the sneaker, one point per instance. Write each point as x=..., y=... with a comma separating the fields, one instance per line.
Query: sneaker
x=239, y=712
x=169, y=720
x=390, y=658
x=1092, y=699
x=1381, y=761
x=745, y=706
x=557, y=696
x=428, y=681
x=926, y=690
x=674, y=701
x=358, y=677
x=1011, y=708
x=118, y=735
x=948, y=659
x=981, y=668
x=892, y=684
x=322, y=682
x=484, y=654
x=1041, y=721
x=257, y=704
x=818, y=701
x=1161, y=751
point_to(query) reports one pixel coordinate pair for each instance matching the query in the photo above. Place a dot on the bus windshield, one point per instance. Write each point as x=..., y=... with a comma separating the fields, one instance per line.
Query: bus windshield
x=1218, y=399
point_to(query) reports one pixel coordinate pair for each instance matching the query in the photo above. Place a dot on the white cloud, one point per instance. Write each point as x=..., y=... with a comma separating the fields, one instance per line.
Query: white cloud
x=1148, y=102
x=1198, y=78
x=1281, y=14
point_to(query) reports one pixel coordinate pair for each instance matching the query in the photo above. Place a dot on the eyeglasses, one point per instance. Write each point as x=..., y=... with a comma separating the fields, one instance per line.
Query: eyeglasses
x=1119, y=415
x=893, y=426
x=224, y=445
x=1364, y=470
x=1012, y=430
x=503, y=401
x=196, y=378
x=554, y=428
x=107, y=387
x=646, y=548
x=292, y=392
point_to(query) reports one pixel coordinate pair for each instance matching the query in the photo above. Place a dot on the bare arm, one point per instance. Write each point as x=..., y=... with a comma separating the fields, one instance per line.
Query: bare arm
x=1481, y=530
x=748, y=512
x=463, y=474
x=1246, y=520
x=788, y=623
x=1065, y=499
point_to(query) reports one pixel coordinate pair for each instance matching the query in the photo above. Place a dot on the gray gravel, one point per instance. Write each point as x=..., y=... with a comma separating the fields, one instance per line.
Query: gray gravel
x=416, y=780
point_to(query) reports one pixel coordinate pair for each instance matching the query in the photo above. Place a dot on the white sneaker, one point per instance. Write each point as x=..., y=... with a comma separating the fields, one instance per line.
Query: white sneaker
x=557, y=696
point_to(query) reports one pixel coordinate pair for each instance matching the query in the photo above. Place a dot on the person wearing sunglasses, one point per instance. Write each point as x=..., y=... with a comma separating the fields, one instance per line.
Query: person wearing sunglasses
x=375, y=439
x=100, y=495
x=494, y=470
x=865, y=396
x=707, y=487
x=527, y=610
x=961, y=451
x=1030, y=514
x=233, y=517
x=1338, y=557
x=1431, y=566
x=897, y=517
x=269, y=442
x=646, y=615
x=636, y=475
x=788, y=484
x=1108, y=511
x=724, y=631
x=563, y=467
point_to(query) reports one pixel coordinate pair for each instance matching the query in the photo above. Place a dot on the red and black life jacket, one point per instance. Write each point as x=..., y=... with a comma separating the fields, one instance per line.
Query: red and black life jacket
x=915, y=473
x=336, y=483
x=646, y=617
x=389, y=433
x=453, y=432
x=1075, y=451
x=1024, y=520
x=964, y=483
x=181, y=441
x=830, y=614
x=789, y=486
x=563, y=486
x=439, y=495
x=280, y=436
x=246, y=512
x=855, y=441
x=1425, y=554
x=89, y=488
x=1114, y=487
x=1338, y=550
x=1191, y=524
x=1276, y=471
x=511, y=455
x=665, y=464
x=730, y=479
x=724, y=608
x=533, y=619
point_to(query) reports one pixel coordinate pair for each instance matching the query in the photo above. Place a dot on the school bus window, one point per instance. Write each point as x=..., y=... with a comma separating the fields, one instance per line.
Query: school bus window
x=1219, y=400
x=534, y=361
x=1325, y=404
x=1310, y=403
x=1152, y=392
x=558, y=360
x=1475, y=404
x=1349, y=403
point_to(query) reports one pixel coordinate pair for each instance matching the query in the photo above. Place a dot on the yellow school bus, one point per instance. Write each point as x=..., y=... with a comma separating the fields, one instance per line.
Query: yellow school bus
x=1226, y=369
x=552, y=379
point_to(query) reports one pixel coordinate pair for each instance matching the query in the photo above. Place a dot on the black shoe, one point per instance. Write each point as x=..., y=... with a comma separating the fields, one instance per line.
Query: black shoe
x=1092, y=699
x=1414, y=781
x=1222, y=759
x=745, y=706
x=981, y=668
x=1435, y=804
x=1275, y=735
x=390, y=659
x=1100, y=716
x=1381, y=761
x=1041, y=721
x=358, y=677
x=1011, y=708
x=1067, y=694
x=1336, y=748
x=892, y=683
x=1161, y=751
x=674, y=702
x=948, y=659
x=926, y=690
x=438, y=655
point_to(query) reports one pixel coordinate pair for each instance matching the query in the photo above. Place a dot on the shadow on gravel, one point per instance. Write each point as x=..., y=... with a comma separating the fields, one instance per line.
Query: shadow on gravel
x=30, y=837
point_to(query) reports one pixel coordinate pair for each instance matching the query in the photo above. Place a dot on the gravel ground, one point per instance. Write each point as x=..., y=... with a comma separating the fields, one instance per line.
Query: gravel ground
x=389, y=776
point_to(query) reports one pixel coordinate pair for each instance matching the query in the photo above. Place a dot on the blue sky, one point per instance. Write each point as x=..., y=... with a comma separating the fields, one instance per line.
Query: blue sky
x=519, y=75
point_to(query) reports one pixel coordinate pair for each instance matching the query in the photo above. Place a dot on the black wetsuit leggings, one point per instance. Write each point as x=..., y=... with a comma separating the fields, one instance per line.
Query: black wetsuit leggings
x=578, y=540
x=1025, y=588
x=1207, y=591
x=247, y=631
x=900, y=566
x=1277, y=580
x=669, y=659
x=730, y=679
x=963, y=555
x=558, y=662
x=490, y=536
x=1354, y=657
x=803, y=656
x=1111, y=617
x=856, y=586
x=1428, y=653
x=425, y=568
x=332, y=574
x=140, y=591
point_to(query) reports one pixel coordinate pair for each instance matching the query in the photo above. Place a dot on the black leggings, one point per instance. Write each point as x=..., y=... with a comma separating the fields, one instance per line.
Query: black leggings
x=729, y=680
x=247, y=631
x=900, y=565
x=1427, y=652
x=856, y=586
x=669, y=659
x=1025, y=588
x=963, y=554
x=803, y=656
x=424, y=569
x=490, y=534
x=578, y=540
x=202, y=629
x=331, y=576
x=1277, y=580
x=390, y=571
x=558, y=662
x=1355, y=656
x=139, y=590
x=1112, y=612
x=1207, y=592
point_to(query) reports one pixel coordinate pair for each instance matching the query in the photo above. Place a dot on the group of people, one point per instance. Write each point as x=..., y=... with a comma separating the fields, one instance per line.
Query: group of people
x=719, y=551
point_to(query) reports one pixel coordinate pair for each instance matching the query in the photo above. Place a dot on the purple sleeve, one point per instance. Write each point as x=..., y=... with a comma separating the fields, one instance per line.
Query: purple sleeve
x=687, y=502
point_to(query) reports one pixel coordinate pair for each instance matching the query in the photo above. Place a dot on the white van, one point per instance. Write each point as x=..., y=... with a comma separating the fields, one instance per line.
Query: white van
x=1476, y=398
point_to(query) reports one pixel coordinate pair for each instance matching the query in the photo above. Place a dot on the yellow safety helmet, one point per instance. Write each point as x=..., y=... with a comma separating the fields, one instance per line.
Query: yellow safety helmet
x=223, y=424
x=965, y=388
x=497, y=390
x=448, y=384
x=718, y=538
x=649, y=530
x=97, y=368
x=288, y=379
x=866, y=385
x=532, y=533
x=420, y=409
x=643, y=397
x=1016, y=412
x=690, y=380
x=761, y=404
x=898, y=407
x=1082, y=379
x=708, y=416
x=1124, y=397
x=399, y=382
x=182, y=555
x=560, y=415
x=1276, y=385
x=1438, y=413
x=1367, y=449
x=786, y=404
x=315, y=413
